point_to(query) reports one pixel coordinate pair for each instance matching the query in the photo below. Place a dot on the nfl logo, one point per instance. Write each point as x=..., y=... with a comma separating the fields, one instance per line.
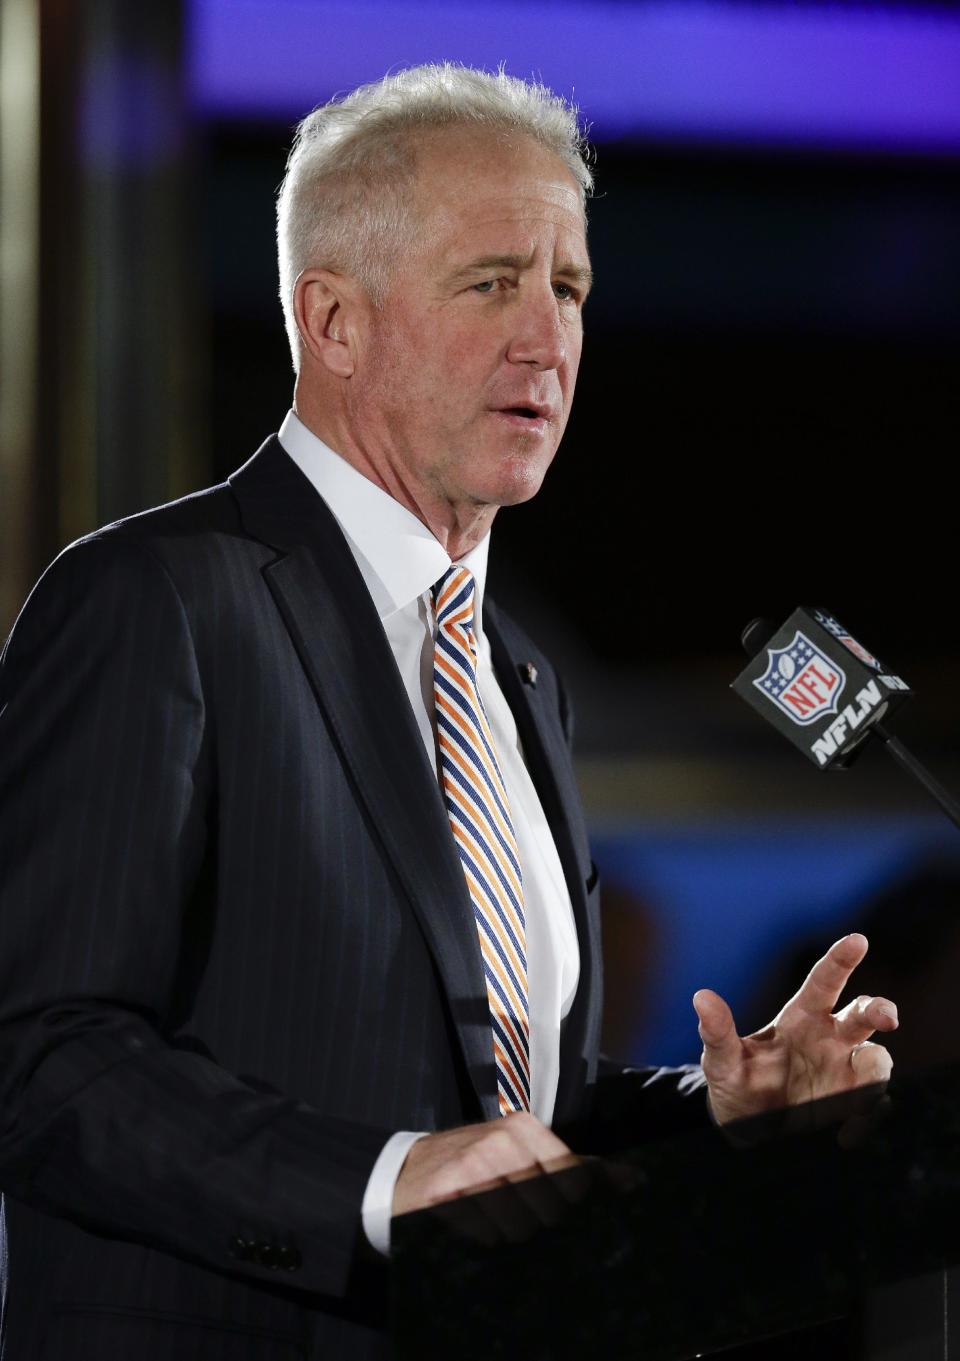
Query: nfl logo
x=801, y=681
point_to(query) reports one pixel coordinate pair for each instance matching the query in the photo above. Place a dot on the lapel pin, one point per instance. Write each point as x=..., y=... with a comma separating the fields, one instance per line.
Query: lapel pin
x=528, y=674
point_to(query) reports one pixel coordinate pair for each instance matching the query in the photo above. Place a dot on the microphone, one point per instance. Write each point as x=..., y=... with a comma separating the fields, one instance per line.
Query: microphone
x=827, y=694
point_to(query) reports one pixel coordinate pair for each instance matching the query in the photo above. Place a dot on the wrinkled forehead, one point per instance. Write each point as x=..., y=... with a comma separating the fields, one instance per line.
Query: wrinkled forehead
x=468, y=181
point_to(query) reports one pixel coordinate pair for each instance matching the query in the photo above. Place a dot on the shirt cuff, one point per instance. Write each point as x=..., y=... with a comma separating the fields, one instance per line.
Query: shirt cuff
x=377, y=1205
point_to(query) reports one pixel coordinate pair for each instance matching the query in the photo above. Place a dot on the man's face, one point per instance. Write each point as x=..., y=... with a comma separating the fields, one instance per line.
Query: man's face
x=466, y=379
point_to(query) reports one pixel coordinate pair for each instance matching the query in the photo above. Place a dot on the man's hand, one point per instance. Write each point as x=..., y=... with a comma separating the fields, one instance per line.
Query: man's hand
x=806, y=1052
x=464, y=1159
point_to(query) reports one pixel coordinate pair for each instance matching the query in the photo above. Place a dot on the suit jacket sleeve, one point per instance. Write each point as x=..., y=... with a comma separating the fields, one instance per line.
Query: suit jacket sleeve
x=105, y=797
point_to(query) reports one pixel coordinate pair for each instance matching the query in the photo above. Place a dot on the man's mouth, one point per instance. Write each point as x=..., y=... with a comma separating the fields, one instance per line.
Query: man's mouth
x=535, y=415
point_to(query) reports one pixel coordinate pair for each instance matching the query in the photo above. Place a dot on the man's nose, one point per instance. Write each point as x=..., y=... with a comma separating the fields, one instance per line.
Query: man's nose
x=538, y=337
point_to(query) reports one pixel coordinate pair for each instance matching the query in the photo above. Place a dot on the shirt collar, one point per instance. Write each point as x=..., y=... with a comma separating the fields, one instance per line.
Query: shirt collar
x=399, y=559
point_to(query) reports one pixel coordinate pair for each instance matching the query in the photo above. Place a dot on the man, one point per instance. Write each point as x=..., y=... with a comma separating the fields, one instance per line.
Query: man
x=294, y=871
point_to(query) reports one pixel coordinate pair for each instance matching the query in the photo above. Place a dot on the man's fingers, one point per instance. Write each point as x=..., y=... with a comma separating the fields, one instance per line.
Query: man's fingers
x=461, y=1160
x=721, y=1043
x=514, y=1147
x=864, y=1015
x=830, y=975
x=870, y=1063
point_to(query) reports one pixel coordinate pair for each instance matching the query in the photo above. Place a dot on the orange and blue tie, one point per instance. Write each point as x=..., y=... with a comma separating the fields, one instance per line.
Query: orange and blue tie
x=479, y=815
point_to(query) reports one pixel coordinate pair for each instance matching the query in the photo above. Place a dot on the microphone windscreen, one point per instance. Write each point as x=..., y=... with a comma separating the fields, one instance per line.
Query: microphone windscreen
x=756, y=633
x=817, y=684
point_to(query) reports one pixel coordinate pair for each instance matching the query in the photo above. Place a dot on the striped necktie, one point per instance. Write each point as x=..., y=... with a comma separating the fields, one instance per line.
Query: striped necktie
x=480, y=819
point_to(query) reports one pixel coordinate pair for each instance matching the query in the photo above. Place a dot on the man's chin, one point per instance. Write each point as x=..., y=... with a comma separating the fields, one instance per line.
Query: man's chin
x=519, y=477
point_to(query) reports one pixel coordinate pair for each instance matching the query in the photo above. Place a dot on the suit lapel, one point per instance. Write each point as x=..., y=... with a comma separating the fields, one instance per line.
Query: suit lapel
x=335, y=628
x=548, y=761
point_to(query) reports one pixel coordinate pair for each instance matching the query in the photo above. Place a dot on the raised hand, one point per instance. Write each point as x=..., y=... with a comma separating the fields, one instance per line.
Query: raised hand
x=806, y=1052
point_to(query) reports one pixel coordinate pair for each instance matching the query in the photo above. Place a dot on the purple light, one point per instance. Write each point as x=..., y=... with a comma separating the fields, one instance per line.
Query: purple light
x=695, y=69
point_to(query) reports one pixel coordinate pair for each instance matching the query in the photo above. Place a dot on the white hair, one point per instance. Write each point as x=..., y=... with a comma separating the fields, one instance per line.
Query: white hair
x=346, y=199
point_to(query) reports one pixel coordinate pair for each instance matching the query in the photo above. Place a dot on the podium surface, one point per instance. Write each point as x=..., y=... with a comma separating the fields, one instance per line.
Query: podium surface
x=692, y=1246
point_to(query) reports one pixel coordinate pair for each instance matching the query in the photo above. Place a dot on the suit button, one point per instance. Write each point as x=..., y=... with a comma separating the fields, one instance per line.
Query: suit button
x=241, y=1249
x=268, y=1254
x=289, y=1258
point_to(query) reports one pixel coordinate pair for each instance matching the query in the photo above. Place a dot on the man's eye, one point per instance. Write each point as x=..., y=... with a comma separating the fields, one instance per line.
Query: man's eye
x=487, y=286
x=564, y=292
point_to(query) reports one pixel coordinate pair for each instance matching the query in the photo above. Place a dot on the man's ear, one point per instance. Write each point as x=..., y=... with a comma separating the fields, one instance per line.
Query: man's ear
x=325, y=306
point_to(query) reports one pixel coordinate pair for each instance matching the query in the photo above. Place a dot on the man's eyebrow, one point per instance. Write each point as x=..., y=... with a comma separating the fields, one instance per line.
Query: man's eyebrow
x=483, y=262
x=581, y=274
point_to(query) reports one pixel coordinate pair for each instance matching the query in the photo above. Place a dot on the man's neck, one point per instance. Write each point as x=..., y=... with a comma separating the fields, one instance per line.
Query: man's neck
x=458, y=527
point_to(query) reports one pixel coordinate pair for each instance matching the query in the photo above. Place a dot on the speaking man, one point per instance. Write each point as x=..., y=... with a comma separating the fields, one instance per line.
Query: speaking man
x=299, y=925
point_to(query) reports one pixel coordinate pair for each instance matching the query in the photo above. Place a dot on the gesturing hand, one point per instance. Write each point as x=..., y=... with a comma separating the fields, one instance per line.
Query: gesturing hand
x=806, y=1052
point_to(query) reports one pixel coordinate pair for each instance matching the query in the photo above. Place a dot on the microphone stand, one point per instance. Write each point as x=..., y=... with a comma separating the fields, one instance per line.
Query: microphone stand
x=909, y=762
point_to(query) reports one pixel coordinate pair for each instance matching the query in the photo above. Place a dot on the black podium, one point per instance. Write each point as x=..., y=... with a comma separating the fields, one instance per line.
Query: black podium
x=840, y=1211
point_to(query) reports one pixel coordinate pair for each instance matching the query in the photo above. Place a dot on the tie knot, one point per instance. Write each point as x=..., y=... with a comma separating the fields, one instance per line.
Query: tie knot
x=453, y=597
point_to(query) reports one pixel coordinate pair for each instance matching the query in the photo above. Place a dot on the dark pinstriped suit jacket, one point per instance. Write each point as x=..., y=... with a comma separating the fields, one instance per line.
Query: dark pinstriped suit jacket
x=236, y=949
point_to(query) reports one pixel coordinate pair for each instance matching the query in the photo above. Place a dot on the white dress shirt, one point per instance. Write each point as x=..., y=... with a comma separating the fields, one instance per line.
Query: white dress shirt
x=400, y=560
